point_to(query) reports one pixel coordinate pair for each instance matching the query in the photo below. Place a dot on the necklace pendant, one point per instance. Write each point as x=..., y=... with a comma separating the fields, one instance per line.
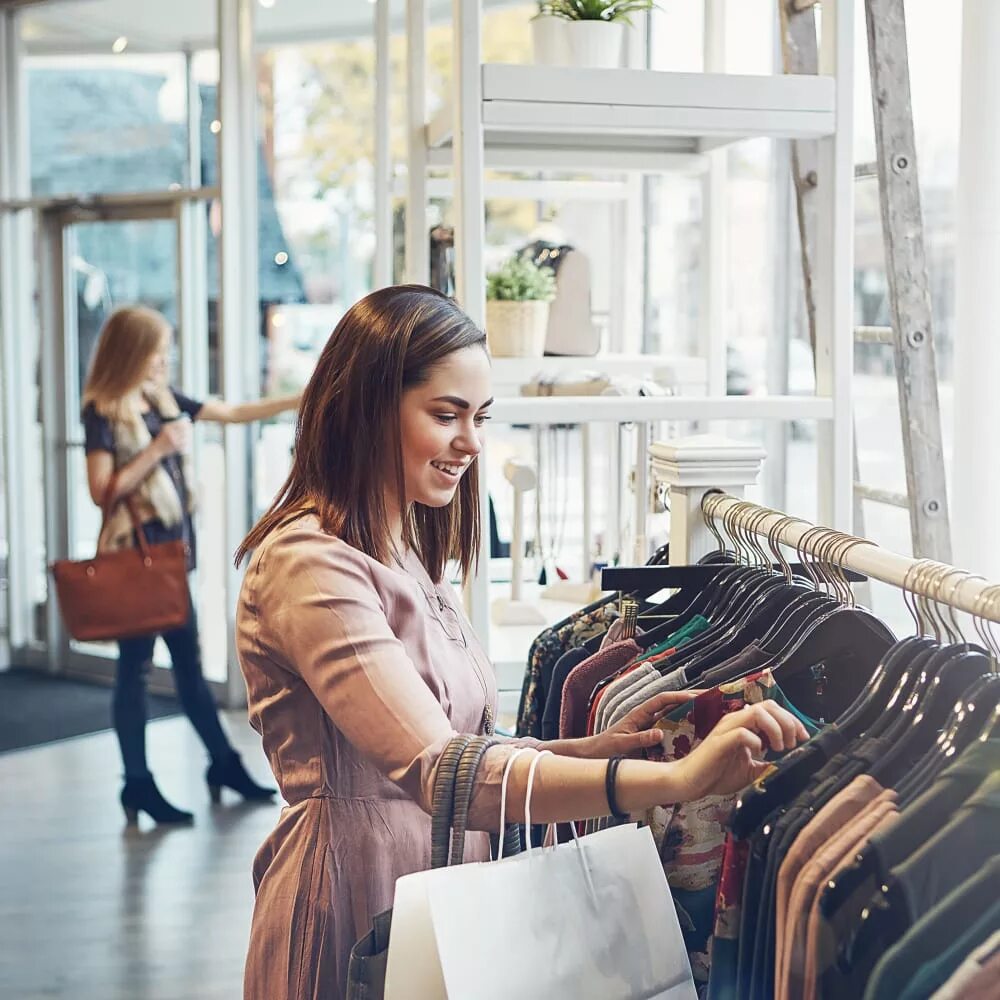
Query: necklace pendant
x=488, y=722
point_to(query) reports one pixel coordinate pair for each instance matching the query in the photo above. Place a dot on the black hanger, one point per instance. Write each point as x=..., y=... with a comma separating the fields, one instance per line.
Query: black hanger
x=953, y=671
x=976, y=715
x=759, y=617
x=792, y=775
x=886, y=687
x=729, y=634
x=679, y=602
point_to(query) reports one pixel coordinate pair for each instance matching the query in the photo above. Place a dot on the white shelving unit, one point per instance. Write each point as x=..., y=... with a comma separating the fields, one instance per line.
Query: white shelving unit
x=646, y=121
x=642, y=118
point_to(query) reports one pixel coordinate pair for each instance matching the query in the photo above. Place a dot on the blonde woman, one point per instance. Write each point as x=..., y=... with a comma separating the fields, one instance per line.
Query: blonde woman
x=134, y=428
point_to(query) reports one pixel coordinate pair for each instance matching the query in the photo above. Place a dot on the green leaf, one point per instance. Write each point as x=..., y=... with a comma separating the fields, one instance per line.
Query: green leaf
x=594, y=10
x=521, y=280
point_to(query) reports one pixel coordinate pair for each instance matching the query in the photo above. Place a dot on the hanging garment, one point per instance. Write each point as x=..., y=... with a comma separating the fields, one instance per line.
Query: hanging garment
x=647, y=666
x=961, y=985
x=581, y=681
x=917, y=823
x=553, y=697
x=974, y=905
x=545, y=651
x=690, y=835
x=823, y=827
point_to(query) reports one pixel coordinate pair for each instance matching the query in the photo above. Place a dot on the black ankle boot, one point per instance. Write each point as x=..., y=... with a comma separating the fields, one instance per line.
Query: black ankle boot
x=230, y=773
x=142, y=795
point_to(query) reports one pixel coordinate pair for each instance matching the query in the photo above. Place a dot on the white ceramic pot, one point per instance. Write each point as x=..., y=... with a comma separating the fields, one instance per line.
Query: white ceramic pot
x=516, y=329
x=596, y=44
x=550, y=41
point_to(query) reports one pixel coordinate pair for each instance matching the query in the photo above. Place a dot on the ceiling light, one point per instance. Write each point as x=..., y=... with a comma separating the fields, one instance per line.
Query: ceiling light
x=281, y=258
x=119, y=45
x=267, y=3
x=216, y=127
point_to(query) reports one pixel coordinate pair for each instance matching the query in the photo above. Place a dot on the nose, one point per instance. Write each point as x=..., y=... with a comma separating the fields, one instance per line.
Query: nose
x=469, y=442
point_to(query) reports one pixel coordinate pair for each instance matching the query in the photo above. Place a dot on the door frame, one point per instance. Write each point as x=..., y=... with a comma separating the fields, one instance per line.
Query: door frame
x=58, y=362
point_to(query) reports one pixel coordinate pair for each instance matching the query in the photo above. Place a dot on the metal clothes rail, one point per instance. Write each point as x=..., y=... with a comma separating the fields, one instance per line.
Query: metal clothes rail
x=946, y=585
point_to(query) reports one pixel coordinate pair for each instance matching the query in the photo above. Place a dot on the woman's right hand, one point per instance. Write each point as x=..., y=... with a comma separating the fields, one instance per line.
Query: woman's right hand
x=730, y=757
x=174, y=437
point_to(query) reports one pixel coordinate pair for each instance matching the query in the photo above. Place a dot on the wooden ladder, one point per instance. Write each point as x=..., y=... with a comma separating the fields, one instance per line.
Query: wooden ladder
x=911, y=335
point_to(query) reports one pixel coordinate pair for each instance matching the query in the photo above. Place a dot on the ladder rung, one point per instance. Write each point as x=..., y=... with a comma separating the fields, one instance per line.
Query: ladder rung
x=863, y=171
x=882, y=496
x=874, y=335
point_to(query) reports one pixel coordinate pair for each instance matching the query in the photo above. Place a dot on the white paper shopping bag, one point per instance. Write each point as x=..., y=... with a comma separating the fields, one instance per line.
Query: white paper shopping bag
x=591, y=920
x=413, y=969
x=588, y=920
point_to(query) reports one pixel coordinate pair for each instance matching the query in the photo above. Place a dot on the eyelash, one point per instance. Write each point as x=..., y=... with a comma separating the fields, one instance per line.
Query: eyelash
x=450, y=418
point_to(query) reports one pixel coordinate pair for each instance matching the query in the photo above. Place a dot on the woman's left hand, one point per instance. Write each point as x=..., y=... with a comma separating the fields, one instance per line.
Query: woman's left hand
x=635, y=732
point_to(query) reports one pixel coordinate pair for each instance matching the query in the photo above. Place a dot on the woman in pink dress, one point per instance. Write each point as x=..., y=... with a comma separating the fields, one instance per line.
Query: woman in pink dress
x=360, y=664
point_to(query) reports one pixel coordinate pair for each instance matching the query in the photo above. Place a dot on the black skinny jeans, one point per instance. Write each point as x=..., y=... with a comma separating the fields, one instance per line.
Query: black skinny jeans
x=128, y=707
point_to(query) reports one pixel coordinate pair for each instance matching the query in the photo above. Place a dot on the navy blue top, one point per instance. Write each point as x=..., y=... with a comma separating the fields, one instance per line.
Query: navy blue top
x=99, y=435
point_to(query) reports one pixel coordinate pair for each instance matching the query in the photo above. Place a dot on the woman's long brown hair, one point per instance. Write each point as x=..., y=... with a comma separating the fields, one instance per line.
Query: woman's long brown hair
x=130, y=336
x=348, y=420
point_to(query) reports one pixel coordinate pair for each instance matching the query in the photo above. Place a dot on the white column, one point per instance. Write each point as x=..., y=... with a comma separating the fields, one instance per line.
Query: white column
x=690, y=467
x=470, y=237
x=383, y=153
x=714, y=193
x=239, y=308
x=21, y=454
x=976, y=470
x=835, y=274
x=417, y=265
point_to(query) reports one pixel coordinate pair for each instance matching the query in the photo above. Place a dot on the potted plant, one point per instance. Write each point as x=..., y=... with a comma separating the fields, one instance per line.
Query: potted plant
x=517, y=308
x=595, y=28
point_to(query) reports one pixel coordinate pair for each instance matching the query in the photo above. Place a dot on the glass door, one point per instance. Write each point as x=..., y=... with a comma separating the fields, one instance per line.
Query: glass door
x=95, y=258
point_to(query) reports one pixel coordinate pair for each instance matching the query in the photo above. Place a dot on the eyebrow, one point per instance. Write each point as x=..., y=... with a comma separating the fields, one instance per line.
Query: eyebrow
x=462, y=404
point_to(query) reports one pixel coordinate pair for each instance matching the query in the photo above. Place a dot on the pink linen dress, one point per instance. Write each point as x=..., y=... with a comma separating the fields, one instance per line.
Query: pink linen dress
x=357, y=676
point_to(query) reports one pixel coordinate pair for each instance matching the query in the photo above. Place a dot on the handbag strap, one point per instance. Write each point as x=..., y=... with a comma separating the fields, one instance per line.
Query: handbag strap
x=464, y=780
x=107, y=508
x=444, y=798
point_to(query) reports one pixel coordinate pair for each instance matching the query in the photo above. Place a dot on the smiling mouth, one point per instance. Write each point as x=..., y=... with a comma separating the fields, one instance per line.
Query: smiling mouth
x=452, y=470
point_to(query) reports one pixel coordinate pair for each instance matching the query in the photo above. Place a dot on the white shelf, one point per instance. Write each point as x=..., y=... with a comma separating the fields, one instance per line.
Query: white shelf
x=639, y=118
x=681, y=373
x=626, y=409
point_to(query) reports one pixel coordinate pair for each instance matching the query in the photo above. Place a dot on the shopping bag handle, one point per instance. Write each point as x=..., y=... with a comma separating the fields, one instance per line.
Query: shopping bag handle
x=539, y=754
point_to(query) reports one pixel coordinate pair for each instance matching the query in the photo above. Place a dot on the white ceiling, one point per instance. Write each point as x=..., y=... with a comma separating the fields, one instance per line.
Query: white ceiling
x=61, y=26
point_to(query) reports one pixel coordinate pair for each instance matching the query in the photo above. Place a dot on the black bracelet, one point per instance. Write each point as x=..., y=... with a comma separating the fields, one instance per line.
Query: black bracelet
x=610, y=776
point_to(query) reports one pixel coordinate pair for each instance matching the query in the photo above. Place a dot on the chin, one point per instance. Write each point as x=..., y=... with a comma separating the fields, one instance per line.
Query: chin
x=437, y=498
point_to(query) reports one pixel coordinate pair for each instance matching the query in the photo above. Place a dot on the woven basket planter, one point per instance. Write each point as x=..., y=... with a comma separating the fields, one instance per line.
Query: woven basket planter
x=516, y=329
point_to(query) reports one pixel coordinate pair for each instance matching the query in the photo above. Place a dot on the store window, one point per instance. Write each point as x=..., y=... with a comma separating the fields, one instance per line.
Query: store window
x=107, y=123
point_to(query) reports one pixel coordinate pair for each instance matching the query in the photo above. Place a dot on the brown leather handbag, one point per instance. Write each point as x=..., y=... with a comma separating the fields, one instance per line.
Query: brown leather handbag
x=118, y=595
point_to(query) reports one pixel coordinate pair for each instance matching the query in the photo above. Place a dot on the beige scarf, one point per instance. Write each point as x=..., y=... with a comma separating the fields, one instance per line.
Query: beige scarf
x=157, y=497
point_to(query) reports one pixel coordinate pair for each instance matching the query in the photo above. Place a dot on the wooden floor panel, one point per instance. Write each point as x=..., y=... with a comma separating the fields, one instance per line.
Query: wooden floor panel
x=93, y=910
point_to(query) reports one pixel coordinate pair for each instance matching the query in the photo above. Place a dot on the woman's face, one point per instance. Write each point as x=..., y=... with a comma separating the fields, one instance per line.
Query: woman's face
x=159, y=361
x=441, y=426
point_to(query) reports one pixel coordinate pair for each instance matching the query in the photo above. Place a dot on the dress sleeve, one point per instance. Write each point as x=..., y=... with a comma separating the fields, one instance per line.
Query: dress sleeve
x=97, y=432
x=321, y=613
x=192, y=407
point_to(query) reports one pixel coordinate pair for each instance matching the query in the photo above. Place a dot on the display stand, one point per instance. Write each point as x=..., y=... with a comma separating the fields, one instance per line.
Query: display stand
x=642, y=121
x=513, y=610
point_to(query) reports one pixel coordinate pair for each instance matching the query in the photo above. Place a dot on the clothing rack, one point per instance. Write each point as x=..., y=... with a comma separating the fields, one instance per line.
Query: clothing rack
x=937, y=582
x=649, y=579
